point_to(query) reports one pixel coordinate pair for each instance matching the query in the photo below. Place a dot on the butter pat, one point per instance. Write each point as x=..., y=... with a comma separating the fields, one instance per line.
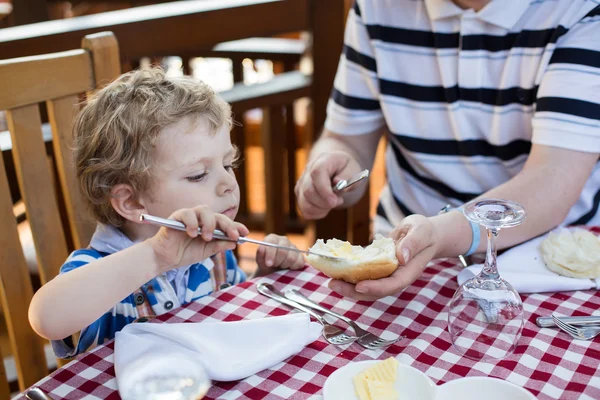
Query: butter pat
x=377, y=382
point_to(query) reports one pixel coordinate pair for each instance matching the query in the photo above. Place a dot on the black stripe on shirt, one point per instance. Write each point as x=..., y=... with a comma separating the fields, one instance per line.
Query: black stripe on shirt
x=569, y=55
x=564, y=105
x=440, y=94
x=356, y=9
x=584, y=219
x=439, y=187
x=401, y=206
x=413, y=37
x=381, y=211
x=466, y=148
x=595, y=12
x=524, y=39
x=360, y=59
x=354, y=103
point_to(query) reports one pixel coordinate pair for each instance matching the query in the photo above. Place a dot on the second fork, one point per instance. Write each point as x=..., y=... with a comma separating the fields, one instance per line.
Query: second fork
x=581, y=333
x=365, y=338
x=331, y=333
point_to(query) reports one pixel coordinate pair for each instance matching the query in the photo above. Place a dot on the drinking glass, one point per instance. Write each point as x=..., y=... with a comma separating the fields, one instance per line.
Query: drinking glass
x=162, y=375
x=485, y=317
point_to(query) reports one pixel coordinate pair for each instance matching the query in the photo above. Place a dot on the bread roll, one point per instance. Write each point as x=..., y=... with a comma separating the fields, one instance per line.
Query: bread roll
x=378, y=260
x=572, y=252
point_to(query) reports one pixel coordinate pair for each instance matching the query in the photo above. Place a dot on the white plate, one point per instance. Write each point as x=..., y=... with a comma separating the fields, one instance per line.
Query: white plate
x=410, y=382
x=415, y=385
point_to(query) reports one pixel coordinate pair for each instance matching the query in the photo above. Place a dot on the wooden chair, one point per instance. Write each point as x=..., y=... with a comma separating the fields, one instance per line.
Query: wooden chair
x=59, y=80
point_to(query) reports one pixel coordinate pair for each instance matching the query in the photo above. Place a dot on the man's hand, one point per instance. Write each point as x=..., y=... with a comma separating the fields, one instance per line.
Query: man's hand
x=314, y=189
x=416, y=245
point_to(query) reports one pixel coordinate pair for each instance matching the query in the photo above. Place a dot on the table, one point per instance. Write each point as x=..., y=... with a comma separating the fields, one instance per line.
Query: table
x=547, y=361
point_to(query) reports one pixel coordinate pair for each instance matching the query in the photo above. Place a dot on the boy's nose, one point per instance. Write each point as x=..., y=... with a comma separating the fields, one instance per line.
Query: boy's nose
x=227, y=184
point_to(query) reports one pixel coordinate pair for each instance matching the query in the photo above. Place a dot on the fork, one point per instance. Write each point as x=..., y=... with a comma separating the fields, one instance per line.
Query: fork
x=581, y=333
x=331, y=333
x=366, y=339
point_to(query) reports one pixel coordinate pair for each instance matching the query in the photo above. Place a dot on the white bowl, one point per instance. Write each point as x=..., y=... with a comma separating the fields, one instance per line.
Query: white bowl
x=478, y=387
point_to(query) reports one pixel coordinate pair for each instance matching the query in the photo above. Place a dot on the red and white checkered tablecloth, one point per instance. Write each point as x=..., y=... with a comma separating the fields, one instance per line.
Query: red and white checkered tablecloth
x=547, y=361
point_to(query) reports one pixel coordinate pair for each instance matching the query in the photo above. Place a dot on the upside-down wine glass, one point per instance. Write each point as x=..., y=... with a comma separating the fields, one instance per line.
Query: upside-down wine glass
x=485, y=319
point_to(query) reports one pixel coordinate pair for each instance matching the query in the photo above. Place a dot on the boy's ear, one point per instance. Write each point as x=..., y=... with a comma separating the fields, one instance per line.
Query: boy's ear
x=123, y=201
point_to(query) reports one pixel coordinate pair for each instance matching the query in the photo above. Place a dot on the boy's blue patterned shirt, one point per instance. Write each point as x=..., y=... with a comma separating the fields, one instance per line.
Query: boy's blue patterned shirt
x=158, y=296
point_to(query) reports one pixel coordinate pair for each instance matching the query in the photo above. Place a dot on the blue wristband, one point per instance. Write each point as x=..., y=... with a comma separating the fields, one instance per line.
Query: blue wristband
x=476, y=237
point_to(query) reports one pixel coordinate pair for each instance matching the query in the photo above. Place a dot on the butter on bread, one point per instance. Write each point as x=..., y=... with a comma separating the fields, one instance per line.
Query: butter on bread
x=572, y=252
x=377, y=381
x=378, y=260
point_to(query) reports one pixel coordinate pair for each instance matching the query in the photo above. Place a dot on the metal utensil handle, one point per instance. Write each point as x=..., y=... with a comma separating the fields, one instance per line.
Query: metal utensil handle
x=218, y=234
x=547, y=322
x=269, y=290
x=298, y=297
x=364, y=174
x=37, y=394
x=171, y=223
x=345, y=184
x=244, y=239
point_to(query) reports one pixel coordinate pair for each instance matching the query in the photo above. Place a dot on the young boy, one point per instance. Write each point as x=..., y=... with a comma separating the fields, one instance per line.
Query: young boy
x=149, y=144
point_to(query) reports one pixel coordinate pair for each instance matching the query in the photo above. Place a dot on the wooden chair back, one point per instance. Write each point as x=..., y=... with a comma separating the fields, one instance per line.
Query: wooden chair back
x=59, y=80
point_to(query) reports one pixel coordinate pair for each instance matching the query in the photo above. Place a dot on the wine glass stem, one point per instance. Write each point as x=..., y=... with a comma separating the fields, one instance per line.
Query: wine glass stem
x=490, y=271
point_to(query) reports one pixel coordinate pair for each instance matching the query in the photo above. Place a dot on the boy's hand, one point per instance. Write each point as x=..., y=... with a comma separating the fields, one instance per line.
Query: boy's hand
x=269, y=258
x=176, y=248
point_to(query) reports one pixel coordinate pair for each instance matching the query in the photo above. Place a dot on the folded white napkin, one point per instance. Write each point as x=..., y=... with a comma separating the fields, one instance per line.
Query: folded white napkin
x=523, y=266
x=228, y=351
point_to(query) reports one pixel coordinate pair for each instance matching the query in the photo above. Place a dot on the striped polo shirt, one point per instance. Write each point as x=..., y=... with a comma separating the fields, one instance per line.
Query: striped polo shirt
x=464, y=94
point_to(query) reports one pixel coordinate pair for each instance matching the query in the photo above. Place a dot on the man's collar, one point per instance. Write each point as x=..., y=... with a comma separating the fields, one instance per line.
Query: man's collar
x=502, y=13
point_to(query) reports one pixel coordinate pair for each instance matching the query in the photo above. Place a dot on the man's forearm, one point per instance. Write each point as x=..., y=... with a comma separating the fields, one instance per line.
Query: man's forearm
x=547, y=190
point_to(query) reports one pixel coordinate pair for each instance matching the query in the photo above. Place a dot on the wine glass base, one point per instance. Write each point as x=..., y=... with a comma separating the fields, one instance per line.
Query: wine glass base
x=483, y=346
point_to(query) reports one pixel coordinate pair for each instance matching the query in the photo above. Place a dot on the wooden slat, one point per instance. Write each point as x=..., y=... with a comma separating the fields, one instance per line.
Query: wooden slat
x=273, y=141
x=275, y=49
x=104, y=49
x=35, y=182
x=327, y=22
x=29, y=11
x=359, y=221
x=162, y=29
x=256, y=222
x=16, y=293
x=282, y=89
x=238, y=138
x=35, y=79
x=291, y=146
x=4, y=386
x=61, y=113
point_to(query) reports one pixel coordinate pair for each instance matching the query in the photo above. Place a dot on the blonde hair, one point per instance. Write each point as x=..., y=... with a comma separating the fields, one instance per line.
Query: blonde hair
x=116, y=132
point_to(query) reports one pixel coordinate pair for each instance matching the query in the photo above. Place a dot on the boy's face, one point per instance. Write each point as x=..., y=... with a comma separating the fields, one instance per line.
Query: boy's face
x=193, y=167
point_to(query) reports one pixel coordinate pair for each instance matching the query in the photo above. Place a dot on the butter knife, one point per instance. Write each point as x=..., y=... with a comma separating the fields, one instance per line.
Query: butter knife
x=37, y=394
x=547, y=322
x=220, y=235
